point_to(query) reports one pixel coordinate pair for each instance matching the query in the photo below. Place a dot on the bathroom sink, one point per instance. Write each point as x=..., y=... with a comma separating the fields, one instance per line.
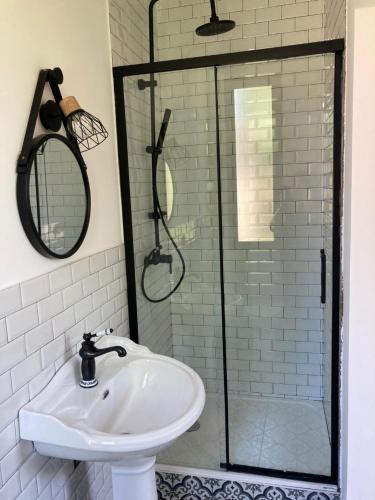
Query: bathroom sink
x=143, y=402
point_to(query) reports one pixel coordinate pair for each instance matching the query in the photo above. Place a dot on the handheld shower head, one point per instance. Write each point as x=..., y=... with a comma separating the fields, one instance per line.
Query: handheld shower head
x=215, y=26
x=163, y=129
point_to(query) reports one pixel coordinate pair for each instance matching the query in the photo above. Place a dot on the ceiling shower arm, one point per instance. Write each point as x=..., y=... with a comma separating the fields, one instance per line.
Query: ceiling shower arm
x=151, y=29
x=214, y=16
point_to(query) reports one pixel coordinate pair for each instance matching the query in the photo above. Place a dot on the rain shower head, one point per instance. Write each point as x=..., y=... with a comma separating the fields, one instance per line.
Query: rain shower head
x=215, y=26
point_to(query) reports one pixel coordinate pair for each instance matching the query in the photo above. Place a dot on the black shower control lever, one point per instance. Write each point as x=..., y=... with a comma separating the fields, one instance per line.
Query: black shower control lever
x=155, y=257
x=145, y=84
x=89, y=352
x=153, y=151
x=156, y=215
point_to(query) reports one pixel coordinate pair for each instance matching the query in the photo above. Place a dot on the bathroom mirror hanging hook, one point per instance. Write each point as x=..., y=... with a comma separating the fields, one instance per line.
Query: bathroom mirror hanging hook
x=54, y=77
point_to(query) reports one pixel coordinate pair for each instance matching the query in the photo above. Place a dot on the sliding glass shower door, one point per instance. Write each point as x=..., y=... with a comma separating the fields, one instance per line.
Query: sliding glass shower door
x=248, y=181
x=276, y=143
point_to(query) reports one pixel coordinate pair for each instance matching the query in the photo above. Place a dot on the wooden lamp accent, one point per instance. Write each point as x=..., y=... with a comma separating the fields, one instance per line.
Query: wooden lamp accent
x=69, y=105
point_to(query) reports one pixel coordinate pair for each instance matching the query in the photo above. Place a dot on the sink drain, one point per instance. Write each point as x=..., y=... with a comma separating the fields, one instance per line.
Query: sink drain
x=194, y=427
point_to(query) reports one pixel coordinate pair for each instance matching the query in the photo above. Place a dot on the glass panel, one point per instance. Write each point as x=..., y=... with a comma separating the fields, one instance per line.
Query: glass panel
x=276, y=156
x=187, y=326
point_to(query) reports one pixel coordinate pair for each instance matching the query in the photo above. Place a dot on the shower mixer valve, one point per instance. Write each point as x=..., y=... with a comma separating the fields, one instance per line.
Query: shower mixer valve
x=155, y=257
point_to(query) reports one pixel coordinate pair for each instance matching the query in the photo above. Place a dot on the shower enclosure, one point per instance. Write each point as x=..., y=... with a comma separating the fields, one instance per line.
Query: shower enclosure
x=249, y=180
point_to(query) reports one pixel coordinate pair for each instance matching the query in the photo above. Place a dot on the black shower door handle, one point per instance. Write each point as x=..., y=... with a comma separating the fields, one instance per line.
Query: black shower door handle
x=323, y=268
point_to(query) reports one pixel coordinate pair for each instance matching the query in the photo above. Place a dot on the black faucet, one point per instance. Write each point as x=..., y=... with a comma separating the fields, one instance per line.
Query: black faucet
x=89, y=352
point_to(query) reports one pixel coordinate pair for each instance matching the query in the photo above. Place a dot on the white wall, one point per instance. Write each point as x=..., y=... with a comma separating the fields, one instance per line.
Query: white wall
x=359, y=243
x=75, y=36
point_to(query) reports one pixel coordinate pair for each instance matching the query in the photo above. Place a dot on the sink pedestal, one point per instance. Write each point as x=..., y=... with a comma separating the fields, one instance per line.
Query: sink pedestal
x=135, y=480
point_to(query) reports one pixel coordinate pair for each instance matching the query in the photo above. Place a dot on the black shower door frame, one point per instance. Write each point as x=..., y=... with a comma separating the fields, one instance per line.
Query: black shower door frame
x=335, y=47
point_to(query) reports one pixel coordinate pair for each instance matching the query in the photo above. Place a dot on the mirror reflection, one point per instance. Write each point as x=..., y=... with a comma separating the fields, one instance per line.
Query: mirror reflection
x=57, y=196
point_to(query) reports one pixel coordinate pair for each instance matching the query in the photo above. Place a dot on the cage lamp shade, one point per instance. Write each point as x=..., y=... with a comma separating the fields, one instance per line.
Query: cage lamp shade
x=86, y=128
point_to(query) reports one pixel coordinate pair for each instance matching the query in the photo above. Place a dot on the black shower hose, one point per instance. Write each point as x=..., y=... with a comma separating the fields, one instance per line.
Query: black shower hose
x=156, y=195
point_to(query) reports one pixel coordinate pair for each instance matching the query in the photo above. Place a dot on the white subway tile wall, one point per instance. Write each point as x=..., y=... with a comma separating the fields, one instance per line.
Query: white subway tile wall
x=273, y=312
x=130, y=45
x=278, y=304
x=39, y=332
x=259, y=24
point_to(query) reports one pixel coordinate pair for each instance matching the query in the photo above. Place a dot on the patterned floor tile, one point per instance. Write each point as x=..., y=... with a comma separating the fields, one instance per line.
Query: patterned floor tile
x=281, y=434
x=179, y=487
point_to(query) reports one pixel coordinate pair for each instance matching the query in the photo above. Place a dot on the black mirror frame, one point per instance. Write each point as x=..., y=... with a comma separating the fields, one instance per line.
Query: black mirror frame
x=23, y=197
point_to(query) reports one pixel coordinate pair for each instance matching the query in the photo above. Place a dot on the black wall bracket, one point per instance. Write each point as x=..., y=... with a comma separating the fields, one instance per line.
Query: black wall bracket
x=50, y=114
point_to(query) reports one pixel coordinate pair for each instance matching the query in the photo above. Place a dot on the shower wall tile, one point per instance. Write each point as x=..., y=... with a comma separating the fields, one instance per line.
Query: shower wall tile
x=272, y=288
x=36, y=340
x=130, y=45
x=259, y=24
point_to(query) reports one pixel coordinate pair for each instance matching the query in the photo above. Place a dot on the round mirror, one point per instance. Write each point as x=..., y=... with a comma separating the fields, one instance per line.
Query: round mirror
x=53, y=197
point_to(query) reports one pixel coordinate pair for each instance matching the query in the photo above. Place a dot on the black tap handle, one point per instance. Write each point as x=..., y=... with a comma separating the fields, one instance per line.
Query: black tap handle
x=88, y=336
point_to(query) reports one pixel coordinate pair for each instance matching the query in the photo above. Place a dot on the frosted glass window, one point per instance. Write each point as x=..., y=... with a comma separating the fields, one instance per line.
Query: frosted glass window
x=254, y=163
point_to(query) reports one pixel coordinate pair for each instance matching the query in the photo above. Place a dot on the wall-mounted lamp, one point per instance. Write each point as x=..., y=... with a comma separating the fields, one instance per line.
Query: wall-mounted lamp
x=87, y=130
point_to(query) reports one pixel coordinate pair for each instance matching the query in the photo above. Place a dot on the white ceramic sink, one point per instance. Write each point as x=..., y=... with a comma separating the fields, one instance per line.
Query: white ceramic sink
x=142, y=403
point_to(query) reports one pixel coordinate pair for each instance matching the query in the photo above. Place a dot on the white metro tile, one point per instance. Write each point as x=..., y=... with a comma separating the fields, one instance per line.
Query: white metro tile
x=34, y=290
x=49, y=307
x=46, y=493
x=97, y=262
x=45, y=475
x=3, y=332
x=61, y=478
x=10, y=300
x=31, y=467
x=105, y=276
x=25, y=371
x=81, y=269
x=63, y=321
x=10, y=408
x=37, y=338
x=114, y=289
x=74, y=335
x=93, y=321
x=90, y=284
x=11, y=354
x=40, y=381
x=22, y=321
x=60, y=279
x=53, y=350
x=112, y=256
x=30, y=492
x=15, y=458
x=100, y=297
x=11, y=488
x=8, y=439
x=83, y=308
x=72, y=294
x=6, y=386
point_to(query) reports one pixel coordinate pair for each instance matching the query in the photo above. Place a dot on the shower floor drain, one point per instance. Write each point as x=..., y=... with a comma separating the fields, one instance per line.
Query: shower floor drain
x=194, y=427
